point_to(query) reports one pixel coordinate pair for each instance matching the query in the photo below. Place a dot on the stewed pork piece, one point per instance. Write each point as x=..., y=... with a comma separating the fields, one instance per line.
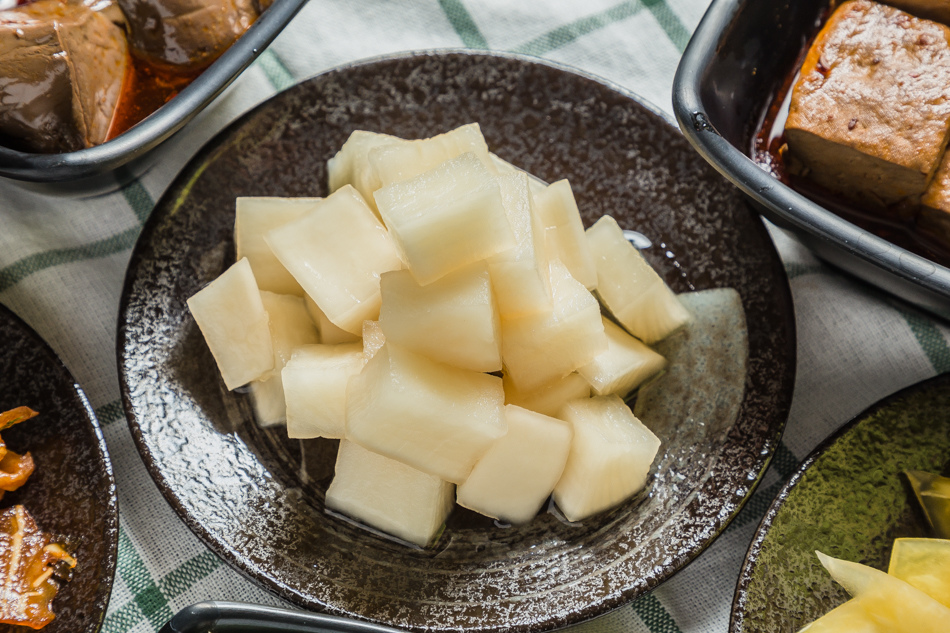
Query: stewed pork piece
x=186, y=32
x=870, y=114
x=62, y=66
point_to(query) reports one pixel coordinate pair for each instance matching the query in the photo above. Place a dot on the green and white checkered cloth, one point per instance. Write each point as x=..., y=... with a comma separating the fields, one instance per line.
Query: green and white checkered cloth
x=62, y=263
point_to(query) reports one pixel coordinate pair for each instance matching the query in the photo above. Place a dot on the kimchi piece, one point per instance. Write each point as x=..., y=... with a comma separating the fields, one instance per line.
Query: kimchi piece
x=30, y=565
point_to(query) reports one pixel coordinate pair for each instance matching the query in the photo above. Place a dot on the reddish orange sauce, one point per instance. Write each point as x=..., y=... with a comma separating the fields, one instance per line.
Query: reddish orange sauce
x=147, y=87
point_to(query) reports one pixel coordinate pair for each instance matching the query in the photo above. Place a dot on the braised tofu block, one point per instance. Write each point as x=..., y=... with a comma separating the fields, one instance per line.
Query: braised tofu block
x=186, y=32
x=61, y=71
x=869, y=116
x=938, y=10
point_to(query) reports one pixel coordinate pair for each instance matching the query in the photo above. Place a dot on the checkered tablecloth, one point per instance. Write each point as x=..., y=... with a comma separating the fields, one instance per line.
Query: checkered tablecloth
x=62, y=262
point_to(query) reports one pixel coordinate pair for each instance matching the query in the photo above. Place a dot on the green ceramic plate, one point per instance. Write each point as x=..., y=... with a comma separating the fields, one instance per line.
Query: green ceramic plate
x=848, y=500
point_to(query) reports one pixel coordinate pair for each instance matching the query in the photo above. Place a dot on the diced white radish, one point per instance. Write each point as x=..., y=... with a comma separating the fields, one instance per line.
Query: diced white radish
x=549, y=397
x=452, y=320
x=446, y=218
x=630, y=288
x=231, y=316
x=504, y=167
x=610, y=458
x=314, y=382
x=252, y=219
x=431, y=416
x=388, y=495
x=520, y=276
x=350, y=165
x=539, y=348
x=395, y=162
x=337, y=252
x=290, y=327
x=517, y=474
x=373, y=339
x=564, y=232
x=624, y=366
x=330, y=334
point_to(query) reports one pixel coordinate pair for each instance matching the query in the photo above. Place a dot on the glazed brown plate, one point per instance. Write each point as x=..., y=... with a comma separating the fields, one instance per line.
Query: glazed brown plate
x=257, y=498
x=72, y=491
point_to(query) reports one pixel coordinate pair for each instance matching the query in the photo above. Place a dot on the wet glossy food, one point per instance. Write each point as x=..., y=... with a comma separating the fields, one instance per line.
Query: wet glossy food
x=76, y=73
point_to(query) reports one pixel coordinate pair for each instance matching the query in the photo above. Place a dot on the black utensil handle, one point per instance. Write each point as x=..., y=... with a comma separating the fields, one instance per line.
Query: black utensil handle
x=236, y=617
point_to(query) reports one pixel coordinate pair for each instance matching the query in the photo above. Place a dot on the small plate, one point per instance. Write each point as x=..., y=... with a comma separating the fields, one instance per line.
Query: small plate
x=72, y=491
x=256, y=498
x=848, y=500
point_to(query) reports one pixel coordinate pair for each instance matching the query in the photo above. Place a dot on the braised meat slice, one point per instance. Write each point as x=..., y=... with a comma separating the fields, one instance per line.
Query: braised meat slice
x=186, y=32
x=30, y=563
x=869, y=115
x=61, y=71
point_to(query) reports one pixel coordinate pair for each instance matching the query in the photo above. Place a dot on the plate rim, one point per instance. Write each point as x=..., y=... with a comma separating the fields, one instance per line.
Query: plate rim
x=181, y=184
x=111, y=522
x=737, y=611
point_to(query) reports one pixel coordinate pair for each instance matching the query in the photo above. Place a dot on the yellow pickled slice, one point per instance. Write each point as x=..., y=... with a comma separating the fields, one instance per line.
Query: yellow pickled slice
x=933, y=493
x=925, y=564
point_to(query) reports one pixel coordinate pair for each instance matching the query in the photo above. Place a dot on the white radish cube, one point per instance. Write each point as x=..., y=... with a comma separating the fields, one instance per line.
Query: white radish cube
x=517, y=474
x=452, y=320
x=373, y=339
x=446, y=218
x=504, y=167
x=252, y=219
x=388, y=495
x=564, y=228
x=624, y=366
x=549, y=397
x=610, y=458
x=350, y=165
x=330, y=334
x=314, y=381
x=630, y=288
x=290, y=327
x=433, y=417
x=520, y=275
x=337, y=252
x=539, y=348
x=232, y=318
x=395, y=162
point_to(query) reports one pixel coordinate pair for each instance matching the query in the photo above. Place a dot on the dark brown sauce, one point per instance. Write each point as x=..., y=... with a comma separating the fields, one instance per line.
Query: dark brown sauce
x=147, y=87
x=896, y=224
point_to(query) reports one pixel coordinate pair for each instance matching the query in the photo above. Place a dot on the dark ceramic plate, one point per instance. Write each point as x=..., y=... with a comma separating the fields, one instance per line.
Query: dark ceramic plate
x=72, y=491
x=739, y=56
x=848, y=500
x=256, y=498
x=88, y=163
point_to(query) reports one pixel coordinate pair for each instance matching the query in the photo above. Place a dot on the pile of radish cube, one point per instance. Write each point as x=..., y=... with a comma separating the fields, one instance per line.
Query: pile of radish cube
x=435, y=313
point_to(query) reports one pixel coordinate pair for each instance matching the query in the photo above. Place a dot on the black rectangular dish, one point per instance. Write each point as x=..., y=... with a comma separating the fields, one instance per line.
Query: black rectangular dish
x=95, y=161
x=736, y=62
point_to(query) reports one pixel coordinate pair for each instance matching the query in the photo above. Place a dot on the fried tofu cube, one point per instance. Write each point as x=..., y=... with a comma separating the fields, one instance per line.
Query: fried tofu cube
x=870, y=112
